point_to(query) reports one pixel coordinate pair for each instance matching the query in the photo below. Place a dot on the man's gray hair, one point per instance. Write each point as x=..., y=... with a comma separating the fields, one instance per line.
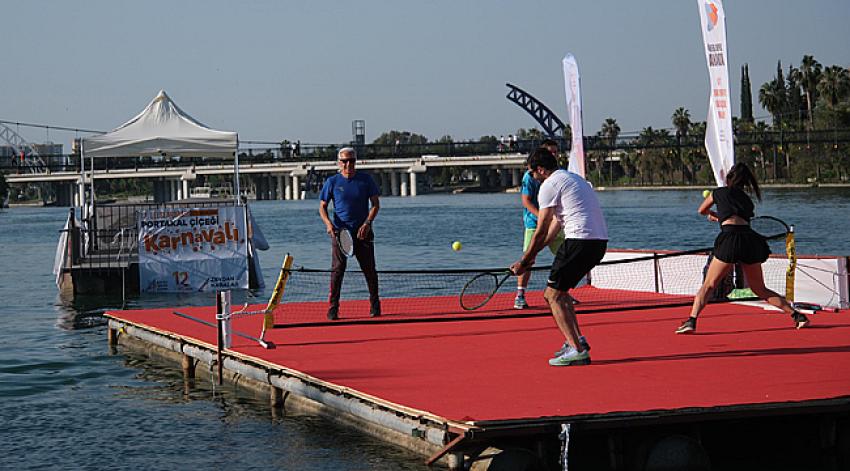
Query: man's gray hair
x=347, y=150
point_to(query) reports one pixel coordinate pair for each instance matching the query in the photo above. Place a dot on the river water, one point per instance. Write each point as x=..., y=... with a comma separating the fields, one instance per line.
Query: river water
x=67, y=403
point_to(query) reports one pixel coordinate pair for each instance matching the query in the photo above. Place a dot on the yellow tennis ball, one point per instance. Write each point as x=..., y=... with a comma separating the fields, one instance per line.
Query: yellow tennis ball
x=705, y=193
x=456, y=245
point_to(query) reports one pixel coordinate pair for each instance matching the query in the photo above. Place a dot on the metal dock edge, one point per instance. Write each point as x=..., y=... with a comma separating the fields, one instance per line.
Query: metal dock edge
x=428, y=435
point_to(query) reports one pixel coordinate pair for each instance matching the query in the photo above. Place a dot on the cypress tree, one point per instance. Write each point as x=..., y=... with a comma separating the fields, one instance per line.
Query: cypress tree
x=781, y=91
x=746, y=95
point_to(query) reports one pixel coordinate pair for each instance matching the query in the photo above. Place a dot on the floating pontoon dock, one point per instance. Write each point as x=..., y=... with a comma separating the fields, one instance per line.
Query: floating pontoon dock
x=449, y=389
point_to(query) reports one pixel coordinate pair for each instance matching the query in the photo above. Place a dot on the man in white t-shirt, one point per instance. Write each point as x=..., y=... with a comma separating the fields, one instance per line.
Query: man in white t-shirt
x=568, y=199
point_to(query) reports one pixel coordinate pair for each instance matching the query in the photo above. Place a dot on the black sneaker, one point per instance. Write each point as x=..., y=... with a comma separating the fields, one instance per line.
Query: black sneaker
x=375, y=311
x=688, y=326
x=800, y=319
x=333, y=313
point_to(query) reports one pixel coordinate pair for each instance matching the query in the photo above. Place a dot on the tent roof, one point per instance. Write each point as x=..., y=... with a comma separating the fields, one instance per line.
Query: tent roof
x=161, y=128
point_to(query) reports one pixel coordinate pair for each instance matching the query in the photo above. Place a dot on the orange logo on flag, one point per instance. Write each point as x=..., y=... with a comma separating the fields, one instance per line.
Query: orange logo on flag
x=711, y=14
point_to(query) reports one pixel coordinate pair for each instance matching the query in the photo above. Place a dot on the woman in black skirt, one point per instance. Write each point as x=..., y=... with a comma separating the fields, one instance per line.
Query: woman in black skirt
x=737, y=243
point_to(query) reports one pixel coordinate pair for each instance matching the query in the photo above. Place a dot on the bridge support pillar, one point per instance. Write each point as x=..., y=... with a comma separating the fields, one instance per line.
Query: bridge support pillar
x=296, y=187
x=516, y=177
x=273, y=188
x=78, y=195
x=280, y=189
x=262, y=188
x=394, y=182
x=174, y=190
x=412, y=183
x=287, y=189
x=64, y=193
x=484, y=178
x=402, y=185
x=383, y=183
x=259, y=187
x=504, y=175
x=161, y=191
x=185, y=189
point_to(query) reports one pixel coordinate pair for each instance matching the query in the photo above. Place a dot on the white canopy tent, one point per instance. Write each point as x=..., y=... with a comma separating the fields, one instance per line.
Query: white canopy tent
x=162, y=129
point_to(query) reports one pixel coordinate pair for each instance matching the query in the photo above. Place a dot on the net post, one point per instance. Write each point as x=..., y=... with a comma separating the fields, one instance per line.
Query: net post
x=226, y=330
x=277, y=293
x=843, y=282
x=656, y=268
x=219, y=304
x=790, y=274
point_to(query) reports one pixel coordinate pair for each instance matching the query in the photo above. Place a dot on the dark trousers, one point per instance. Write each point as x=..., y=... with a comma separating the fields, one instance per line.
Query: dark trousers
x=364, y=251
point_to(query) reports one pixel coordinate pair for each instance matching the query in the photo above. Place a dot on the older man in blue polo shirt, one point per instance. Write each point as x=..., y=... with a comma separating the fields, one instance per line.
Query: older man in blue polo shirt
x=352, y=193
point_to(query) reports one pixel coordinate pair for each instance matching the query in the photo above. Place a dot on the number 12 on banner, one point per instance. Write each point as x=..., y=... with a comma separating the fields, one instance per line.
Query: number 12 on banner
x=181, y=278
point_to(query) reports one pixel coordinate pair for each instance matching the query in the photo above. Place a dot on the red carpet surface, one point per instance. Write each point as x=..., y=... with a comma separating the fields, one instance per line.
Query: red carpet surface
x=496, y=369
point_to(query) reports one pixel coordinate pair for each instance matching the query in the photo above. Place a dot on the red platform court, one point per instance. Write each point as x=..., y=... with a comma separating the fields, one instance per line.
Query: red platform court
x=491, y=372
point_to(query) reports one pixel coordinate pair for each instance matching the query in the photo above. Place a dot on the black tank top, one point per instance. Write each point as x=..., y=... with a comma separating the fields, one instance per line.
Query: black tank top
x=732, y=201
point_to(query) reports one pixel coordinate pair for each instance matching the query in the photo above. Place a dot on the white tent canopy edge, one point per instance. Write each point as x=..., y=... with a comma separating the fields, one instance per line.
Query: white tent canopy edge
x=162, y=128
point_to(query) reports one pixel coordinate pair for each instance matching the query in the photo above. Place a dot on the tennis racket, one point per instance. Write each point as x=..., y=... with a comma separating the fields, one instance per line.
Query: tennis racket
x=769, y=227
x=781, y=236
x=346, y=242
x=481, y=288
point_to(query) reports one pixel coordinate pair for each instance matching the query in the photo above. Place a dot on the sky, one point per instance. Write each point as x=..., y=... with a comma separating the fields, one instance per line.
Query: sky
x=304, y=70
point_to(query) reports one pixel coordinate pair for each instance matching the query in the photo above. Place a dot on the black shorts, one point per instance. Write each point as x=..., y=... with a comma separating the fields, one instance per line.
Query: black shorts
x=740, y=244
x=574, y=259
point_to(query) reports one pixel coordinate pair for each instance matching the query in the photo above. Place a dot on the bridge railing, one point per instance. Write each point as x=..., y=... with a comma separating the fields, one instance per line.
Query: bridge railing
x=255, y=153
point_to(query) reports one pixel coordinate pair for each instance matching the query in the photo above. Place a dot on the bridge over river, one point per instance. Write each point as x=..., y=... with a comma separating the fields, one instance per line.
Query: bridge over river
x=285, y=180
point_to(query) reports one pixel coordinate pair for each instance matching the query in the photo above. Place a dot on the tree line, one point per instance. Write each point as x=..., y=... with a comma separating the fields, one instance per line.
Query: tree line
x=806, y=140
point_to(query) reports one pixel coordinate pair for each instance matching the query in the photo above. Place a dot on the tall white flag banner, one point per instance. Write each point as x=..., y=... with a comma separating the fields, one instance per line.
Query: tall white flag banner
x=187, y=250
x=719, y=140
x=573, y=91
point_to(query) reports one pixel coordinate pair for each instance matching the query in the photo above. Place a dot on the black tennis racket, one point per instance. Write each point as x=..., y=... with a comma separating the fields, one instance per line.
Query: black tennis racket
x=346, y=242
x=769, y=227
x=481, y=288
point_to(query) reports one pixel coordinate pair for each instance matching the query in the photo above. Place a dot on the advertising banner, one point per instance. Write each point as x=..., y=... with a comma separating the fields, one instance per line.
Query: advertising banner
x=573, y=91
x=185, y=250
x=719, y=140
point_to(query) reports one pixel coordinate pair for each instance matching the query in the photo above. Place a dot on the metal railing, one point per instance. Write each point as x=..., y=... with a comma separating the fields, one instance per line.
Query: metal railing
x=109, y=237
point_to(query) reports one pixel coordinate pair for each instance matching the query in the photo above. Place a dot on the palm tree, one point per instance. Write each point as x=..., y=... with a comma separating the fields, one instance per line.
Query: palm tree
x=611, y=131
x=760, y=135
x=681, y=121
x=695, y=157
x=834, y=85
x=647, y=156
x=772, y=99
x=666, y=156
x=810, y=71
x=793, y=92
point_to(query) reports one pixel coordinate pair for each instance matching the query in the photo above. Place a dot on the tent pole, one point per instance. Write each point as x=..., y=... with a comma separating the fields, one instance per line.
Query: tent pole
x=236, y=172
x=93, y=215
x=83, y=179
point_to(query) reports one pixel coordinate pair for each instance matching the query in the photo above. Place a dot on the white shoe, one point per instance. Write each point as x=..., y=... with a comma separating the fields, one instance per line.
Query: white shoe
x=571, y=357
x=566, y=346
x=519, y=302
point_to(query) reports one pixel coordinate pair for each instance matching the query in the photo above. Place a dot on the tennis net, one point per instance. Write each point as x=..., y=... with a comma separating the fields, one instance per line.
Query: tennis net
x=624, y=280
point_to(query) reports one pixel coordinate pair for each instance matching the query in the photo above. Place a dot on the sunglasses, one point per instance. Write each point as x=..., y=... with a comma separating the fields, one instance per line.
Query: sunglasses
x=347, y=161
